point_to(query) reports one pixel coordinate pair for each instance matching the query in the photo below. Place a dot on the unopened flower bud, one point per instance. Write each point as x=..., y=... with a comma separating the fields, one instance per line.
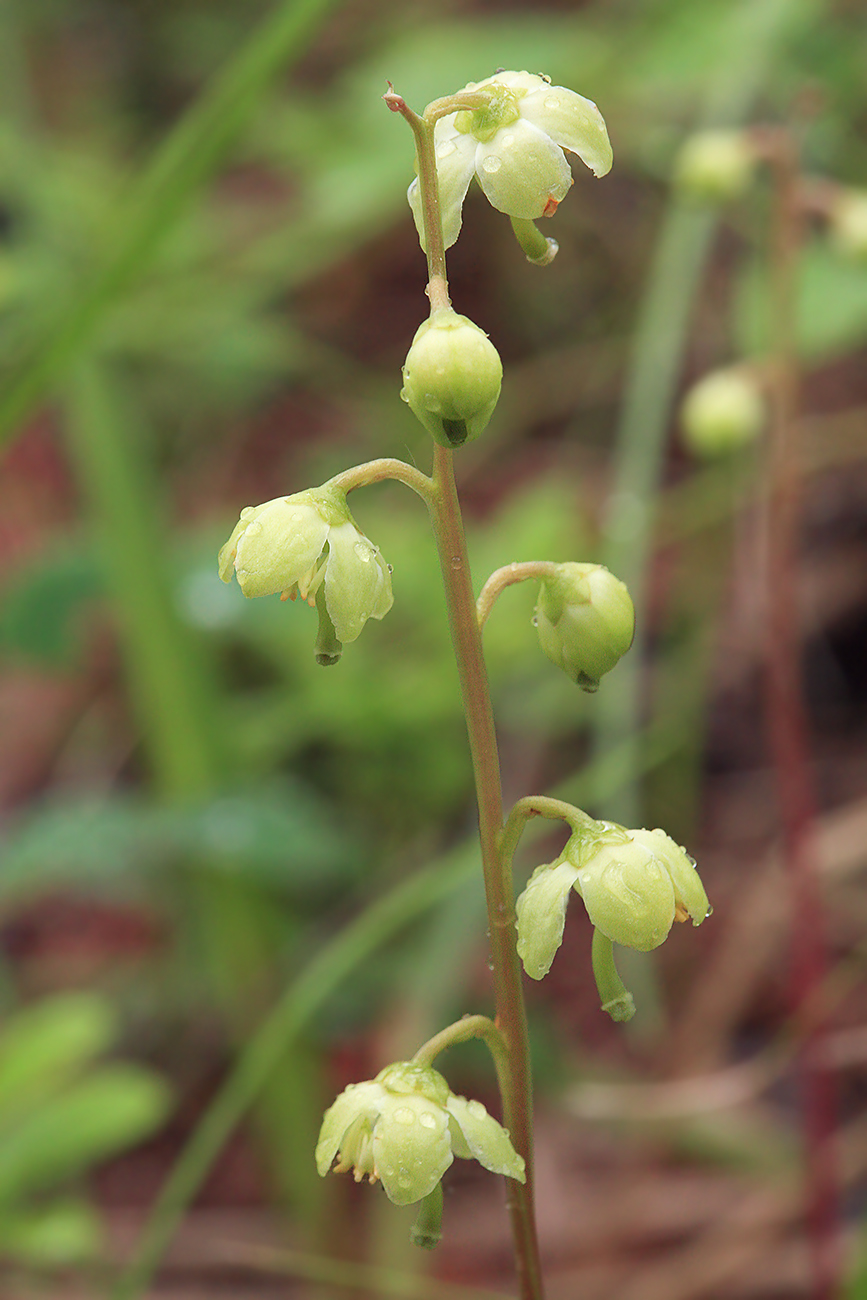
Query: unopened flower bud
x=848, y=222
x=715, y=166
x=452, y=377
x=585, y=620
x=722, y=412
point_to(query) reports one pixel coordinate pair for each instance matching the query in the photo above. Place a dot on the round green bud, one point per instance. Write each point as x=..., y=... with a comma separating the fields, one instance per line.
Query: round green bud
x=715, y=166
x=585, y=620
x=848, y=222
x=722, y=412
x=452, y=377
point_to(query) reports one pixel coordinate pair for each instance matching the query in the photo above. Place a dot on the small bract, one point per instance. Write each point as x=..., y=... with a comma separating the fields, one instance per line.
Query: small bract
x=514, y=147
x=635, y=885
x=405, y=1127
x=298, y=543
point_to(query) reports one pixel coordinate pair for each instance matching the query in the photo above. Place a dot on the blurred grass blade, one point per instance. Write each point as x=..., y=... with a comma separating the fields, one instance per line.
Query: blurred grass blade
x=190, y=154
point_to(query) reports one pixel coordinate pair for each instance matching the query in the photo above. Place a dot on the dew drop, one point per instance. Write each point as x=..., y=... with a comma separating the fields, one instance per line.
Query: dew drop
x=390, y=568
x=456, y=561
x=253, y=529
x=363, y=551
x=492, y=163
x=389, y=1171
x=535, y=620
x=403, y=1115
x=427, y=1120
x=247, y=511
x=476, y=1109
x=404, y=1181
x=508, y=140
x=552, y=101
x=447, y=147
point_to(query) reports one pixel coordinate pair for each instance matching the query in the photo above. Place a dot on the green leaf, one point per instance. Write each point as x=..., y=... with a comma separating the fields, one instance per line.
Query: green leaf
x=53, y=1236
x=96, y=1118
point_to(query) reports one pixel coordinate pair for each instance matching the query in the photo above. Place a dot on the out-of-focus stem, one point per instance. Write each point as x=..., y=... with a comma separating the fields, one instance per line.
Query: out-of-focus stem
x=787, y=724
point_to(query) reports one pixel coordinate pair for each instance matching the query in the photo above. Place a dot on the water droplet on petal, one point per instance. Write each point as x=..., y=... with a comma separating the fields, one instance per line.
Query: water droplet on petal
x=444, y=149
x=404, y=1181
x=390, y=568
x=535, y=620
x=427, y=1120
x=403, y=1115
x=247, y=511
x=507, y=140
x=476, y=1109
x=492, y=163
x=364, y=551
x=551, y=101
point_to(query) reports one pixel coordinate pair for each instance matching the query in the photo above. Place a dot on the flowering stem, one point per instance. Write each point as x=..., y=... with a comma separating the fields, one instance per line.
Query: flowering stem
x=500, y=579
x=511, y=1020
x=513, y=1064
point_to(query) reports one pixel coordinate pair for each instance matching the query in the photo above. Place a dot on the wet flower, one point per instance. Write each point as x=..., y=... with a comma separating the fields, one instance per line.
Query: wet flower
x=514, y=146
x=307, y=543
x=405, y=1127
x=634, y=884
x=585, y=620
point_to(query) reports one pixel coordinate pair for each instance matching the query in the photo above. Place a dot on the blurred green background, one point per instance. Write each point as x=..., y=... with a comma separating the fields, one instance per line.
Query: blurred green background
x=208, y=282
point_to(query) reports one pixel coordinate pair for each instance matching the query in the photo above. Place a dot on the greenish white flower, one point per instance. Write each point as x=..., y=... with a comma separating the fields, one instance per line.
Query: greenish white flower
x=585, y=620
x=634, y=884
x=452, y=377
x=514, y=147
x=405, y=1127
x=298, y=543
x=715, y=166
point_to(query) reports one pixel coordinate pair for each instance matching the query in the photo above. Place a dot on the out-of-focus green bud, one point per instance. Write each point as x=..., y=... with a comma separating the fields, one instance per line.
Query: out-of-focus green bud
x=585, y=620
x=722, y=412
x=715, y=166
x=634, y=884
x=452, y=377
x=406, y=1127
x=848, y=223
x=304, y=542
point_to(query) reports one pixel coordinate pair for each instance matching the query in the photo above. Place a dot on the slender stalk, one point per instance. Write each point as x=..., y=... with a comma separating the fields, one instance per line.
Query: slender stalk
x=461, y=1032
x=788, y=730
x=511, y=1019
x=521, y=571
x=375, y=471
x=511, y=1016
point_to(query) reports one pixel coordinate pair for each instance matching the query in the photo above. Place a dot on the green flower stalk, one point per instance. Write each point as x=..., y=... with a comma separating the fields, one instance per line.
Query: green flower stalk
x=309, y=543
x=452, y=377
x=635, y=885
x=405, y=1128
x=585, y=620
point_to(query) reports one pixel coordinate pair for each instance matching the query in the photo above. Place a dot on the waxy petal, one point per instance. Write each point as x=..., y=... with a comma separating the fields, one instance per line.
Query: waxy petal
x=689, y=892
x=455, y=155
x=542, y=914
x=411, y=1146
x=631, y=901
x=522, y=171
x=358, y=1101
x=279, y=546
x=357, y=582
x=483, y=1138
x=572, y=122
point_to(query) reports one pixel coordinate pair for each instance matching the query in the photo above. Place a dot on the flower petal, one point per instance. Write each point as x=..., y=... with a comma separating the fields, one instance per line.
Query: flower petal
x=630, y=900
x=688, y=889
x=484, y=1139
x=411, y=1146
x=542, y=914
x=357, y=582
x=573, y=122
x=358, y=1101
x=521, y=170
x=278, y=546
x=455, y=155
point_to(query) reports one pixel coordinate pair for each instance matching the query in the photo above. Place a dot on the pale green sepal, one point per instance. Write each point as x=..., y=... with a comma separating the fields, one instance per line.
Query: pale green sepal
x=485, y=1139
x=411, y=1146
x=574, y=122
x=541, y=913
x=357, y=582
x=689, y=892
x=360, y=1101
x=279, y=543
x=522, y=171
